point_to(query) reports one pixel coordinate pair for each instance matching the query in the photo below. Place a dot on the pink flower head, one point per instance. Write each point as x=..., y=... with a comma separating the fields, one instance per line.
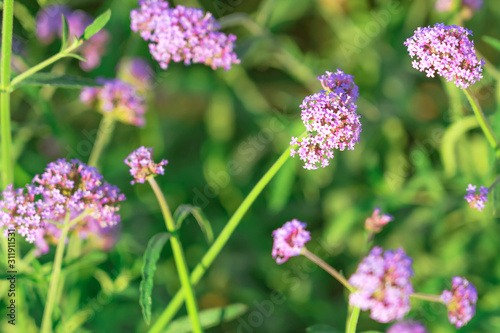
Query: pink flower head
x=49, y=25
x=71, y=187
x=183, y=34
x=408, y=326
x=476, y=200
x=376, y=222
x=330, y=119
x=289, y=240
x=447, y=51
x=383, y=285
x=116, y=97
x=446, y=5
x=460, y=301
x=142, y=165
x=443, y=5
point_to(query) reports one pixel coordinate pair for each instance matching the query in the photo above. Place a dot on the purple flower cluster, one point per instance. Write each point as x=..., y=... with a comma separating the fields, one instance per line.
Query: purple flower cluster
x=460, y=301
x=409, y=326
x=447, y=51
x=289, y=240
x=476, y=200
x=117, y=97
x=183, y=34
x=49, y=25
x=383, y=284
x=331, y=121
x=376, y=222
x=66, y=188
x=142, y=165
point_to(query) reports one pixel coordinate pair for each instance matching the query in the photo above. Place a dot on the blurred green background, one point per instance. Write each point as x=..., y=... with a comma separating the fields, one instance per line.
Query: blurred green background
x=220, y=131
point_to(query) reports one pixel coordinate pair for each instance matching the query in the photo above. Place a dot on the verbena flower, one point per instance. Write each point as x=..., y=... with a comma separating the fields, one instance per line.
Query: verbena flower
x=376, y=222
x=447, y=51
x=330, y=119
x=183, y=34
x=460, y=301
x=289, y=240
x=383, y=284
x=142, y=165
x=49, y=25
x=137, y=71
x=409, y=326
x=116, y=97
x=21, y=210
x=476, y=200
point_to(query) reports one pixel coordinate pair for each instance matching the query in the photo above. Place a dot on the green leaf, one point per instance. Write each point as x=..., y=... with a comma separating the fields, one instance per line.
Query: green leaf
x=321, y=329
x=492, y=41
x=208, y=318
x=65, y=32
x=97, y=25
x=58, y=80
x=184, y=210
x=76, y=56
x=151, y=256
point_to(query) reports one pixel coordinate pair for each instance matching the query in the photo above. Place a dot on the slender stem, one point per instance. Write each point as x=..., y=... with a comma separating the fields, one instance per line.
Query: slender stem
x=176, y=303
x=353, y=320
x=329, y=269
x=63, y=54
x=483, y=123
x=495, y=183
x=54, y=279
x=103, y=136
x=7, y=162
x=180, y=260
x=425, y=297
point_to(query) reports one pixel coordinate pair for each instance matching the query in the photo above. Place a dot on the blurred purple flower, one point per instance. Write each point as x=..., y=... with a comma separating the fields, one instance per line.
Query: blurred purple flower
x=137, y=71
x=330, y=119
x=460, y=301
x=443, y=5
x=476, y=200
x=142, y=165
x=409, y=326
x=447, y=51
x=383, y=283
x=183, y=34
x=446, y=5
x=289, y=240
x=49, y=25
x=376, y=222
x=474, y=5
x=116, y=97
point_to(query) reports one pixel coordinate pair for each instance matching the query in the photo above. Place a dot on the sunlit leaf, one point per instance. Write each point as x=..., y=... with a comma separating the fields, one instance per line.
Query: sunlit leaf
x=97, y=25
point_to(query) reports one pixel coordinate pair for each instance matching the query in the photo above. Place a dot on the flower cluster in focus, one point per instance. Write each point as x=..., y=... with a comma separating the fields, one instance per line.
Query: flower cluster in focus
x=142, y=165
x=476, y=200
x=409, y=326
x=331, y=121
x=289, y=240
x=116, y=97
x=447, y=51
x=460, y=301
x=67, y=189
x=183, y=34
x=383, y=284
x=49, y=25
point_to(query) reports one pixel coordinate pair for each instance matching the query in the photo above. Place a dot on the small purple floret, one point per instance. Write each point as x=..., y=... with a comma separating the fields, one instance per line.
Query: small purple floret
x=142, y=165
x=476, y=199
x=289, y=240
x=460, y=301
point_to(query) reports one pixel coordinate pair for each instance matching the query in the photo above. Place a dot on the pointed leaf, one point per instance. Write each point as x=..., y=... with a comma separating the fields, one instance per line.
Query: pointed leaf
x=76, y=56
x=97, y=25
x=184, y=210
x=151, y=256
x=65, y=32
x=321, y=329
x=208, y=318
x=58, y=80
x=492, y=41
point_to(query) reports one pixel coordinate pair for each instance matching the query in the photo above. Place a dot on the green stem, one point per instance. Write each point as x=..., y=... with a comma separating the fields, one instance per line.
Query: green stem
x=207, y=260
x=54, y=279
x=7, y=162
x=47, y=62
x=103, y=136
x=180, y=260
x=329, y=269
x=483, y=123
x=353, y=320
x=425, y=297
